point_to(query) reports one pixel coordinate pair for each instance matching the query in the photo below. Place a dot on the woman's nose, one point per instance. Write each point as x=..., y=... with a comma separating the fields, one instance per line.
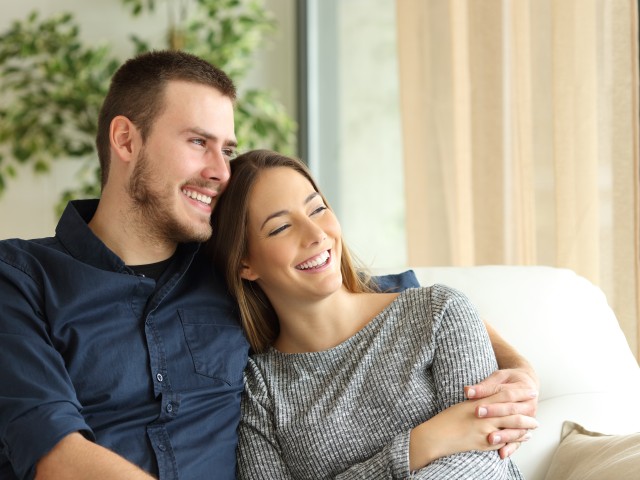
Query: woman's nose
x=313, y=233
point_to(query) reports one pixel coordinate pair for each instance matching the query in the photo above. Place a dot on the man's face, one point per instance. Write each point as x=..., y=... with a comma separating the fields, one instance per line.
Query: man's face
x=184, y=164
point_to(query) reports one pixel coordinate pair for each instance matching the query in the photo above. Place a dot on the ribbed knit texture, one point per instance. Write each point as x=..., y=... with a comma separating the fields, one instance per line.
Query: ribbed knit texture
x=346, y=412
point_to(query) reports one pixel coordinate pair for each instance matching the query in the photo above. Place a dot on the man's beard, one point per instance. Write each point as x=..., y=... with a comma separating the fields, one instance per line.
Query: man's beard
x=155, y=206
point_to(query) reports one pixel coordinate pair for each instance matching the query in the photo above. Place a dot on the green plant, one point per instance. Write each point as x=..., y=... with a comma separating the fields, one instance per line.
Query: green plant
x=53, y=85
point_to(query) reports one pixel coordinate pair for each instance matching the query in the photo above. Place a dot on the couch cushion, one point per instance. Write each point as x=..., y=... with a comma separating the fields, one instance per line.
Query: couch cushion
x=585, y=455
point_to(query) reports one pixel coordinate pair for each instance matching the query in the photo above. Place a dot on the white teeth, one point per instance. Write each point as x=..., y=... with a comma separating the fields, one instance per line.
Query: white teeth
x=316, y=262
x=197, y=196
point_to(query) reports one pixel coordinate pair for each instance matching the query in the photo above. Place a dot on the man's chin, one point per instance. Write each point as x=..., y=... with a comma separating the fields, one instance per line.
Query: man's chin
x=188, y=235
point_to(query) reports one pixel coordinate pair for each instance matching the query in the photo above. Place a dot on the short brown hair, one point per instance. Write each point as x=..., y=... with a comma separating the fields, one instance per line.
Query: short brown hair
x=228, y=245
x=137, y=92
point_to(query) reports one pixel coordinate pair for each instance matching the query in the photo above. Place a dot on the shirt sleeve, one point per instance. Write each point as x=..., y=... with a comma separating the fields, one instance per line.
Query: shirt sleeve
x=463, y=356
x=38, y=404
x=260, y=456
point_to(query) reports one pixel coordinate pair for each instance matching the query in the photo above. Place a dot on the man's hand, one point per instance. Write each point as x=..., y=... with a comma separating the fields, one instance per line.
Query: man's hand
x=507, y=392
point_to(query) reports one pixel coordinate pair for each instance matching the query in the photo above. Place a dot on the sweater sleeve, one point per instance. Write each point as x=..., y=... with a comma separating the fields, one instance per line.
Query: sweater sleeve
x=463, y=356
x=260, y=455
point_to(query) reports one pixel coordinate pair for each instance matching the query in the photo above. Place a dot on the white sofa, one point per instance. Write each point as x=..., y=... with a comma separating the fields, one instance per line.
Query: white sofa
x=563, y=325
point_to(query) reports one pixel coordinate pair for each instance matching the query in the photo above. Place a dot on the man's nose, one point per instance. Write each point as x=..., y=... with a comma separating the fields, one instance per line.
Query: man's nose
x=217, y=168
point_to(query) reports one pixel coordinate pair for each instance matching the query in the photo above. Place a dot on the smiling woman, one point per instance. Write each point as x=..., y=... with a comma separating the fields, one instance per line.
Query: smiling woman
x=386, y=367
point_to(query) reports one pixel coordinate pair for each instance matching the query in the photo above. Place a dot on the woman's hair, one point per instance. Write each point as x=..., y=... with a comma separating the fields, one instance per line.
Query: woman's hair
x=228, y=245
x=137, y=92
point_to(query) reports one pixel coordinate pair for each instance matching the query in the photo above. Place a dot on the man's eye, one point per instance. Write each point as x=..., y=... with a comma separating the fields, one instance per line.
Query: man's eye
x=229, y=153
x=199, y=141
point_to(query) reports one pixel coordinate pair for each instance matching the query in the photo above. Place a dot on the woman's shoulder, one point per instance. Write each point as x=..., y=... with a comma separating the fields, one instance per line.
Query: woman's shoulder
x=434, y=302
x=433, y=293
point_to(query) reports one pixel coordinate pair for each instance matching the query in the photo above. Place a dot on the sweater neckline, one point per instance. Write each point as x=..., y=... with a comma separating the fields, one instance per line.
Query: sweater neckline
x=373, y=323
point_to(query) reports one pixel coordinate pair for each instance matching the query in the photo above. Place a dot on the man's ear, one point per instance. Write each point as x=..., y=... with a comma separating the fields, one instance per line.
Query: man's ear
x=247, y=273
x=124, y=138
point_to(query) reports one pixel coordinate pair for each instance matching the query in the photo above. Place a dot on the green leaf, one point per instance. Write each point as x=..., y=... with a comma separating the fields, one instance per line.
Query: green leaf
x=53, y=83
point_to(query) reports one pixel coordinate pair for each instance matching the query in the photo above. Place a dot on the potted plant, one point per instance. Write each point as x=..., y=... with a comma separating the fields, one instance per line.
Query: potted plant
x=53, y=84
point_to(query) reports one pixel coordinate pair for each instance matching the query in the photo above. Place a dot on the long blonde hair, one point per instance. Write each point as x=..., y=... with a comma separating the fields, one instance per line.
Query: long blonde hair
x=228, y=245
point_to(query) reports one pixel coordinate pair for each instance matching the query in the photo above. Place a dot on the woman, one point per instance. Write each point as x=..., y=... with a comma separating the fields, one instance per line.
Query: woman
x=344, y=381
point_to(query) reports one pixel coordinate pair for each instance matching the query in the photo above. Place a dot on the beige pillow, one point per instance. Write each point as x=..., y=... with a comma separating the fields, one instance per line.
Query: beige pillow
x=585, y=455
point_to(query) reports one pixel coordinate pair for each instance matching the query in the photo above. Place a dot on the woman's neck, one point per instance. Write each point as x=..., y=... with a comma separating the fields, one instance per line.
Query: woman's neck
x=327, y=323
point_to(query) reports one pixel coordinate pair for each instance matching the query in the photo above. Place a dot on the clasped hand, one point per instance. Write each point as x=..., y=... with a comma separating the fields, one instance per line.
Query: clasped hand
x=499, y=415
x=510, y=397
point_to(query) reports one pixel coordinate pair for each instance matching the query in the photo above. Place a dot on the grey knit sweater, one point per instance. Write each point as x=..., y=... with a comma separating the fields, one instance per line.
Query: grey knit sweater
x=346, y=412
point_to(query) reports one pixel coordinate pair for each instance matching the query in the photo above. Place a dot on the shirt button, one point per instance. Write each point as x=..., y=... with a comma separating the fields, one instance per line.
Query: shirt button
x=159, y=377
x=169, y=407
x=162, y=447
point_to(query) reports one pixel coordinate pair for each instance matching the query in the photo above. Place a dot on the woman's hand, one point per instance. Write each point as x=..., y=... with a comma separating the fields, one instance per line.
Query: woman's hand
x=459, y=429
x=506, y=393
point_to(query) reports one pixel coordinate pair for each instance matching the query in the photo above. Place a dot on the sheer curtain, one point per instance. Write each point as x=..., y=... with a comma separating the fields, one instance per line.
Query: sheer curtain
x=520, y=138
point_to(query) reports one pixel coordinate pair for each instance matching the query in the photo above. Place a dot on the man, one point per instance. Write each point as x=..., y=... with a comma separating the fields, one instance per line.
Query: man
x=121, y=351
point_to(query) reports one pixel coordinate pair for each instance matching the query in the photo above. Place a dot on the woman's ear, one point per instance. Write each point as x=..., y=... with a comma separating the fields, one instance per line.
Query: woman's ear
x=247, y=273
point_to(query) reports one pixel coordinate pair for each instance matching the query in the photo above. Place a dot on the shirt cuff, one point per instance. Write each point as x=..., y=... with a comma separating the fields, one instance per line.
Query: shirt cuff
x=34, y=434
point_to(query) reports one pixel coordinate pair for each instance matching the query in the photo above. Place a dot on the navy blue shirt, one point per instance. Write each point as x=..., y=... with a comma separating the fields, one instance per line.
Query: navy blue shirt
x=152, y=371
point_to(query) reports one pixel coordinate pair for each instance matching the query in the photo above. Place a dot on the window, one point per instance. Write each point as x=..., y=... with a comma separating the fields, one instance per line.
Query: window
x=350, y=121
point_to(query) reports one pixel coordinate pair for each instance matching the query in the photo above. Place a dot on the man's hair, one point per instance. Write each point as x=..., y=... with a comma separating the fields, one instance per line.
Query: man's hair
x=137, y=92
x=229, y=245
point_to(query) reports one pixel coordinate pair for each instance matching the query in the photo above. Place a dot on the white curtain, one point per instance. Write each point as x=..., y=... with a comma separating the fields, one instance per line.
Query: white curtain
x=520, y=137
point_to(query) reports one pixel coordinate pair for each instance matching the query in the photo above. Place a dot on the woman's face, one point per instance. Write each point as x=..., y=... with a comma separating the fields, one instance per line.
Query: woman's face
x=293, y=238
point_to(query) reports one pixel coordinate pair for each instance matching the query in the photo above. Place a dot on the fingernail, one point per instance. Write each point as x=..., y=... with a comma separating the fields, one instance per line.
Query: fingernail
x=496, y=439
x=526, y=436
x=482, y=412
x=533, y=394
x=471, y=392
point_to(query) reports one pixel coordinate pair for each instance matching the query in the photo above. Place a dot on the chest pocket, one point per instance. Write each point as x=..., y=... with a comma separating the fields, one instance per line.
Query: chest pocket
x=217, y=345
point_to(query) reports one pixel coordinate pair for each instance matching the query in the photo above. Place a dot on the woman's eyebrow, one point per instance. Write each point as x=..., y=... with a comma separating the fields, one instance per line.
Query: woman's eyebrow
x=279, y=213
x=311, y=197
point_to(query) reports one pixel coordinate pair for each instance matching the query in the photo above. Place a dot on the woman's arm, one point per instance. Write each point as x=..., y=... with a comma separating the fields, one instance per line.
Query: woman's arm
x=463, y=356
x=518, y=384
x=458, y=429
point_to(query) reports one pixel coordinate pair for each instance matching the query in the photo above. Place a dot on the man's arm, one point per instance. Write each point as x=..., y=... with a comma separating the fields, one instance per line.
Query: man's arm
x=507, y=355
x=511, y=390
x=76, y=458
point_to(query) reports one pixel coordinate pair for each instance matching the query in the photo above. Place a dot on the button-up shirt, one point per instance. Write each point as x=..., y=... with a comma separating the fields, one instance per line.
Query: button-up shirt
x=151, y=370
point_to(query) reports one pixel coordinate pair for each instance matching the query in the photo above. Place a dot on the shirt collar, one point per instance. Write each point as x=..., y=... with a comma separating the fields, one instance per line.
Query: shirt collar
x=79, y=240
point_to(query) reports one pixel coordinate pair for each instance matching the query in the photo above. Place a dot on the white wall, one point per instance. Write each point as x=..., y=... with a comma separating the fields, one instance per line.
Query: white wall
x=27, y=205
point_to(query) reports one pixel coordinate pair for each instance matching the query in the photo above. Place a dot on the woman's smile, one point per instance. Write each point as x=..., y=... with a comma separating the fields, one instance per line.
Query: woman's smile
x=315, y=263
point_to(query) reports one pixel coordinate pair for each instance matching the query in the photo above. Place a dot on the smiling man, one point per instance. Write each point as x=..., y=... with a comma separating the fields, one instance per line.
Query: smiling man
x=125, y=353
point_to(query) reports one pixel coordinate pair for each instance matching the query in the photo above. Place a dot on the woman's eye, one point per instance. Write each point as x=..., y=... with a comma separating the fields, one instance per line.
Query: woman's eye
x=321, y=208
x=278, y=230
